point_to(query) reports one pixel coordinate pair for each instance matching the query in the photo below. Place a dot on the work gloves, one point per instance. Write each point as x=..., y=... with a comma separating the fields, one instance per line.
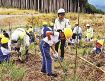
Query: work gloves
x=55, y=55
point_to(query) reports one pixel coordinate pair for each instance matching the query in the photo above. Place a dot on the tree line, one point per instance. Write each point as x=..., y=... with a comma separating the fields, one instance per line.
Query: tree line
x=92, y=9
x=49, y=5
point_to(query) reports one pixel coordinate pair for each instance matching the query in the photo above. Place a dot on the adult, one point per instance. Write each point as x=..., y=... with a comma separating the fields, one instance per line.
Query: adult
x=60, y=23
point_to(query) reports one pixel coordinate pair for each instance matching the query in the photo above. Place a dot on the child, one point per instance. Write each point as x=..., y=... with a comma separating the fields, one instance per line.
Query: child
x=45, y=28
x=98, y=48
x=77, y=33
x=89, y=33
x=20, y=38
x=48, y=41
x=30, y=32
x=4, y=51
x=0, y=39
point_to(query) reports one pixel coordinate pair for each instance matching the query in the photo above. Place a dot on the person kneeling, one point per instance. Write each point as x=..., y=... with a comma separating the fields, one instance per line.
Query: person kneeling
x=4, y=51
x=98, y=48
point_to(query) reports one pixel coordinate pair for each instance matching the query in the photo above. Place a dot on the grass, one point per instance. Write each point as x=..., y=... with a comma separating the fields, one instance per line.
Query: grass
x=14, y=72
x=95, y=20
x=17, y=74
x=15, y=11
x=9, y=71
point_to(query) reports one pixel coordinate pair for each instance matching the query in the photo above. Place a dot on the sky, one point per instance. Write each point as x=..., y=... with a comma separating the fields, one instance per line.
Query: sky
x=97, y=2
x=100, y=4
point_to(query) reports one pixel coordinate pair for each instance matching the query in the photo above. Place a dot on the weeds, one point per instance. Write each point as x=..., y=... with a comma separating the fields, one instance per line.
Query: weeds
x=17, y=74
x=14, y=11
x=12, y=71
x=75, y=79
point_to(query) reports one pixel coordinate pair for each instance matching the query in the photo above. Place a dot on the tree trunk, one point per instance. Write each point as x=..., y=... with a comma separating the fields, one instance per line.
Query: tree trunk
x=82, y=8
x=75, y=6
x=68, y=6
x=19, y=4
x=0, y=3
x=38, y=5
x=57, y=4
x=50, y=5
x=44, y=5
x=54, y=5
x=45, y=8
x=35, y=4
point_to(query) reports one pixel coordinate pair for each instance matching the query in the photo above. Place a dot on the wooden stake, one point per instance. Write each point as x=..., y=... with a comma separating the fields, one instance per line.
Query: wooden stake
x=76, y=55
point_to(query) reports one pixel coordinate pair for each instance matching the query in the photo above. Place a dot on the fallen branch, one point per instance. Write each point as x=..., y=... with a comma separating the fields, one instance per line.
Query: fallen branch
x=91, y=64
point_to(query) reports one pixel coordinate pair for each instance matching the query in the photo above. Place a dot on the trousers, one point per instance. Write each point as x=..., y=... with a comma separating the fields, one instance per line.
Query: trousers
x=46, y=58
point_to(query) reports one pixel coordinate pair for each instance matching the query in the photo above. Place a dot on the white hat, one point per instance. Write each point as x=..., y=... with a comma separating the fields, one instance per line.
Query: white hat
x=87, y=25
x=61, y=10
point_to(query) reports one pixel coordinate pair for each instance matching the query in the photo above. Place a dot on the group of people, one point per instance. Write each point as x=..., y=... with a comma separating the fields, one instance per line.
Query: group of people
x=53, y=37
x=17, y=42
x=56, y=38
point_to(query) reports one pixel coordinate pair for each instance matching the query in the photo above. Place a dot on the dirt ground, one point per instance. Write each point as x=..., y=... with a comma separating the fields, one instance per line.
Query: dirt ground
x=85, y=72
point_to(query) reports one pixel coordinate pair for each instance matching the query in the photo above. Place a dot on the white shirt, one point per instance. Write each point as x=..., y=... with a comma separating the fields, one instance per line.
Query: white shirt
x=54, y=39
x=5, y=51
x=15, y=35
x=77, y=30
x=61, y=24
x=26, y=40
x=9, y=45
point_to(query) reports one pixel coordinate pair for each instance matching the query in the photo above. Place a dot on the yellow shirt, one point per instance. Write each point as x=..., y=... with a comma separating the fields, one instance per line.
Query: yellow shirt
x=89, y=33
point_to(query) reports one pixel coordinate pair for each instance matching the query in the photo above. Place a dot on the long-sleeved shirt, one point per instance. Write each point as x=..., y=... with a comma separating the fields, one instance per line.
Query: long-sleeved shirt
x=5, y=51
x=89, y=33
x=18, y=33
x=77, y=30
x=61, y=24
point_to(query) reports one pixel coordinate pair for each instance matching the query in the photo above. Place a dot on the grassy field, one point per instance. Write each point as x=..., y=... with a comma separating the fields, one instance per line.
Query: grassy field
x=96, y=20
x=15, y=11
x=30, y=71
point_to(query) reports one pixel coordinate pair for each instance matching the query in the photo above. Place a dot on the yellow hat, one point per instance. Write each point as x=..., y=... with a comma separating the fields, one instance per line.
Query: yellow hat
x=101, y=42
x=51, y=24
x=30, y=30
x=4, y=40
x=1, y=35
x=45, y=23
x=68, y=32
